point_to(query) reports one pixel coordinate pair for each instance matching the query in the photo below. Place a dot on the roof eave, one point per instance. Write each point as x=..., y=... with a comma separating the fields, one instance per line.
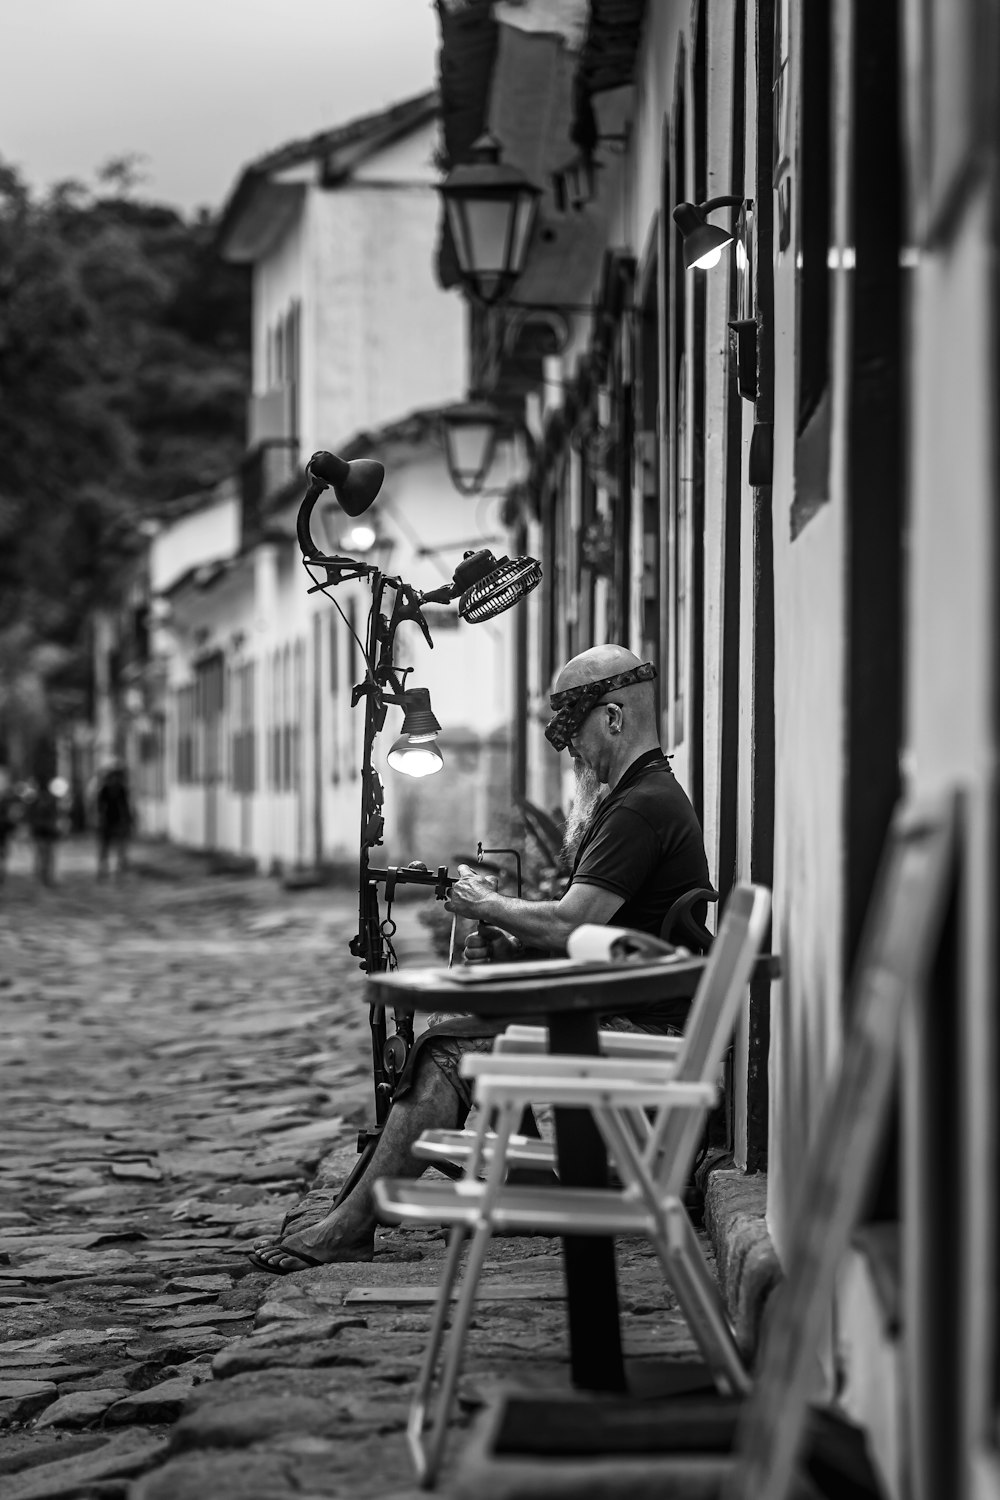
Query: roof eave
x=257, y=215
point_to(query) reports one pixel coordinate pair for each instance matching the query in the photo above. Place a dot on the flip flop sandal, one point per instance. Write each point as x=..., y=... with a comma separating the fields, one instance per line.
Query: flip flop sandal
x=271, y=1239
x=257, y=1258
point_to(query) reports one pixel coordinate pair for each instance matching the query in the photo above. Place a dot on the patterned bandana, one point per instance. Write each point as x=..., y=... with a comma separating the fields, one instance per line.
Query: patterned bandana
x=573, y=704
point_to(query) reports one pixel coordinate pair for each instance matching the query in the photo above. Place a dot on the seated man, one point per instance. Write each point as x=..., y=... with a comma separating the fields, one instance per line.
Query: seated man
x=638, y=848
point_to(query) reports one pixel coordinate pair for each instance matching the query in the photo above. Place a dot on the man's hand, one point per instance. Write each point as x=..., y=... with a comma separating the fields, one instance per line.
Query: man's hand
x=488, y=945
x=470, y=895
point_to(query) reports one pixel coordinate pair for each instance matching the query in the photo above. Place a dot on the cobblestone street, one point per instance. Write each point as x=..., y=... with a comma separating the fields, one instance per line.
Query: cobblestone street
x=184, y=1061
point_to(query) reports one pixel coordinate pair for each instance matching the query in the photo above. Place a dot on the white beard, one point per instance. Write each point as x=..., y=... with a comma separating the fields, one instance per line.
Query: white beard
x=590, y=793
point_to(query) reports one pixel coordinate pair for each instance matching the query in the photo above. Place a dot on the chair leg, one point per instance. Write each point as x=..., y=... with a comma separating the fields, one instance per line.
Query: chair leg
x=680, y=1256
x=427, y=1454
x=434, y=1448
x=701, y=1301
x=417, y=1421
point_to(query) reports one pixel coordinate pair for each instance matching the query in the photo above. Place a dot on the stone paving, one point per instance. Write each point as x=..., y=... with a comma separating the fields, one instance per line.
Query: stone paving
x=184, y=1063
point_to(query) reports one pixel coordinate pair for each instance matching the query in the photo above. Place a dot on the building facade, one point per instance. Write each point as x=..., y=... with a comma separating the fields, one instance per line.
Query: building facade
x=356, y=350
x=777, y=479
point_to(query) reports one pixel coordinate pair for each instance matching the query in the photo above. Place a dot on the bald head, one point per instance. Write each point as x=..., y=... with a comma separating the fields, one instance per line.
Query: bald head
x=595, y=664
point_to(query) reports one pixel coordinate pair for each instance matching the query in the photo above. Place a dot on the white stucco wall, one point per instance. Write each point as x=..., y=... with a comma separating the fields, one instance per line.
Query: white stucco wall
x=809, y=610
x=384, y=338
x=379, y=337
x=207, y=535
x=810, y=764
x=387, y=339
x=952, y=672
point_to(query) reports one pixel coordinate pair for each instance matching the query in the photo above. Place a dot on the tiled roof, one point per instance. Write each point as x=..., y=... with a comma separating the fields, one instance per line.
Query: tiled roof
x=613, y=37
x=469, y=36
x=373, y=129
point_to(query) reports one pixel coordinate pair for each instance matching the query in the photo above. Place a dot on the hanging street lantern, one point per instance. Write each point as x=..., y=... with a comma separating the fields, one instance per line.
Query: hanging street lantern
x=471, y=430
x=491, y=211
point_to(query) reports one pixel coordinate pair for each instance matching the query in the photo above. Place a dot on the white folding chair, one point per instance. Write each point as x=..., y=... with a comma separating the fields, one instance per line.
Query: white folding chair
x=455, y=1147
x=650, y=1112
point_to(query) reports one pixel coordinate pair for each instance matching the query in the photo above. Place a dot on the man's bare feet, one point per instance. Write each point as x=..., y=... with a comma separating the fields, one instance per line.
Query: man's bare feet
x=347, y=1232
x=280, y=1258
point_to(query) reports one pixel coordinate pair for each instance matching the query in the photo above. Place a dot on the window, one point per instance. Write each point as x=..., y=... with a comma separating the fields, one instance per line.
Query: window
x=298, y=705
x=152, y=749
x=184, y=709
x=274, y=759
x=209, y=703
x=243, y=732
x=286, y=719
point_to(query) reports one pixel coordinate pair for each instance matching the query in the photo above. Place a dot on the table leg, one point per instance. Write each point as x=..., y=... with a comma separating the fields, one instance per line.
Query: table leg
x=591, y=1284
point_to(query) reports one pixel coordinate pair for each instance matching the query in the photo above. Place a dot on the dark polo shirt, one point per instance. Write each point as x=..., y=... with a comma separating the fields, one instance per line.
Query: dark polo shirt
x=644, y=845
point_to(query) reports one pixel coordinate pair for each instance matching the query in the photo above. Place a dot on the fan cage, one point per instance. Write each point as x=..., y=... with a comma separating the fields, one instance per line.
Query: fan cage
x=500, y=589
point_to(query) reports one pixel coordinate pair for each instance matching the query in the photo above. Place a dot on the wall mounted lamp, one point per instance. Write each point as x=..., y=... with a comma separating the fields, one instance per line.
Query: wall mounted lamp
x=574, y=184
x=415, y=753
x=704, y=242
x=491, y=211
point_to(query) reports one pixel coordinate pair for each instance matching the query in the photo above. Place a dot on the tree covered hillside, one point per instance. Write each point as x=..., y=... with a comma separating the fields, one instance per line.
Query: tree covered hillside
x=124, y=366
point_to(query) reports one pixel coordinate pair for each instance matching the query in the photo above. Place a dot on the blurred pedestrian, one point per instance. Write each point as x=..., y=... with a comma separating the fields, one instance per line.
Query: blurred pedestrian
x=10, y=815
x=43, y=814
x=115, y=820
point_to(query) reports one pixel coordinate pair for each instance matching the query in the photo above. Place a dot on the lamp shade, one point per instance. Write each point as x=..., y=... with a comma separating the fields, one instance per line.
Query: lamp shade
x=703, y=243
x=471, y=430
x=355, y=484
x=491, y=211
x=418, y=716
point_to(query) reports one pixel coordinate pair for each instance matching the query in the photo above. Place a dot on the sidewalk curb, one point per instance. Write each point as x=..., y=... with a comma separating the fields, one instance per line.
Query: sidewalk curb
x=747, y=1262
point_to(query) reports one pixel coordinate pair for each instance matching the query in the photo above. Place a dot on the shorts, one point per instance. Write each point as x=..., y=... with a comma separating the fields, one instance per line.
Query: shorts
x=446, y=1052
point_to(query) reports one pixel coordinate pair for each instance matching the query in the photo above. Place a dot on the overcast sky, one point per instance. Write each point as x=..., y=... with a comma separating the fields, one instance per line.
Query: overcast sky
x=198, y=87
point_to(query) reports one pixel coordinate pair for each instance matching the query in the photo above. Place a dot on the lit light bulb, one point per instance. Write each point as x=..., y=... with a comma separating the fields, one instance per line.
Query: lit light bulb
x=415, y=756
x=708, y=260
